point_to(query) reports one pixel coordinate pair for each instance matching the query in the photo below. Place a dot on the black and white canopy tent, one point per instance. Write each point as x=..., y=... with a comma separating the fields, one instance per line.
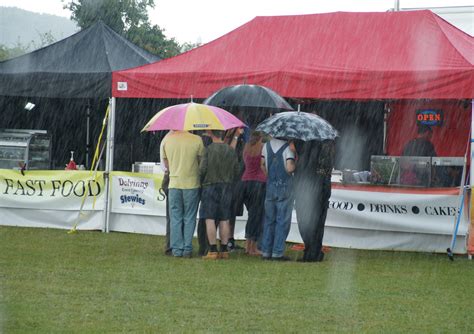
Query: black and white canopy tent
x=79, y=66
x=70, y=83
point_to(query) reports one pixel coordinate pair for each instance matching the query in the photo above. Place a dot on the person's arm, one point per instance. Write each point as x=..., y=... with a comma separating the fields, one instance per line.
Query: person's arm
x=203, y=165
x=164, y=157
x=262, y=160
x=289, y=156
x=167, y=166
x=164, y=165
x=235, y=137
x=293, y=149
x=290, y=165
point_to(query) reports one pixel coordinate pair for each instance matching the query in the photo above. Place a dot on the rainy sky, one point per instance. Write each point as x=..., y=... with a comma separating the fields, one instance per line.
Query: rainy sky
x=204, y=20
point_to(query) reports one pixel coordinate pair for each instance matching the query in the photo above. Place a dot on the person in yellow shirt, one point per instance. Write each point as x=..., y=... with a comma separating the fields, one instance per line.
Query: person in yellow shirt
x=182, y=152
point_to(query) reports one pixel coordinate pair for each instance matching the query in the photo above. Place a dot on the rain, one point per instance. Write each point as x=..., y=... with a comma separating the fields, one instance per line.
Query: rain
x=381, y=232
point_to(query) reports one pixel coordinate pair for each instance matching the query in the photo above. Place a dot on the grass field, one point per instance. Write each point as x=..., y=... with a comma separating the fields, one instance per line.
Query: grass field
x=94, y=282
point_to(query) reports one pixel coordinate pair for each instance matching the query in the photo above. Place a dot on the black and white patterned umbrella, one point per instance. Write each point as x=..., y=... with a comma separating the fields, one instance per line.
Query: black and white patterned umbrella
x=298, y=125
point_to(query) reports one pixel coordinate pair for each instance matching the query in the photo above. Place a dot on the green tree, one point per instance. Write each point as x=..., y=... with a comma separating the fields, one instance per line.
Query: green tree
x=153, y=39
x=19, y=48
x=46, y=38
x=129, y=18
x=12, y=52
x=189, y=46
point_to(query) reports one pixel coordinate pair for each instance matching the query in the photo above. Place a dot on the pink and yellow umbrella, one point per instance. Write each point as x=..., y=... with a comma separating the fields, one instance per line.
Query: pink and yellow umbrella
x=193, y=116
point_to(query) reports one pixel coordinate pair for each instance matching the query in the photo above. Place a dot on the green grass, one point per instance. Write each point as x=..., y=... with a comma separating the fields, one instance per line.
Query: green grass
x=51, y=281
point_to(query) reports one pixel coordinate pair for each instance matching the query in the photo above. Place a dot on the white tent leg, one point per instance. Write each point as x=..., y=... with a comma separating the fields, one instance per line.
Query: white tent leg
x=109, y=159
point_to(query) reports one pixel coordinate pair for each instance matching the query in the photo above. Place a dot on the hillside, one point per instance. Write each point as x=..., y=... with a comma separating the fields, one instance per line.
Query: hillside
x=18, y=25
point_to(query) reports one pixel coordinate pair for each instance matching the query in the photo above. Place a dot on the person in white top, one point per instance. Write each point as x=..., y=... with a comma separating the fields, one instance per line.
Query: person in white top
x=278, y=161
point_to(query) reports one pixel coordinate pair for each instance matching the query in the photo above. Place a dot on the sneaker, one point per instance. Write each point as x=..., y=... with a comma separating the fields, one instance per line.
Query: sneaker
x=224, y=255
x=266, y=258
x=187, y=255
x=211, y=256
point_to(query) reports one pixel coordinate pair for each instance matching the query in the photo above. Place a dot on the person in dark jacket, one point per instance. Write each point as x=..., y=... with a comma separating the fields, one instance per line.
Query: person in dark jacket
x=312, y=193
x=421, y=146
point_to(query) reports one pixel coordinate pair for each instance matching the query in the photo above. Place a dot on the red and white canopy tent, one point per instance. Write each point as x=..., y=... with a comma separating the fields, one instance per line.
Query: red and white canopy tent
x=408, y=55
x=390, y=55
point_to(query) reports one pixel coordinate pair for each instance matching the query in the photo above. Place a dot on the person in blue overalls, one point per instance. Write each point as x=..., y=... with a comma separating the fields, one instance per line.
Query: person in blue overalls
x=278, y=161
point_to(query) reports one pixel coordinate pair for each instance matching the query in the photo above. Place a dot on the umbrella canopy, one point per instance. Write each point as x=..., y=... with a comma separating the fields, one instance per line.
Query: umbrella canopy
x=193, y=116
x=253, y=96
x=298, y=125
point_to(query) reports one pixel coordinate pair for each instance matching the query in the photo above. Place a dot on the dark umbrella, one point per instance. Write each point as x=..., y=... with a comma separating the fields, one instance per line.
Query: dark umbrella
x=248, y=96
x=298, y=125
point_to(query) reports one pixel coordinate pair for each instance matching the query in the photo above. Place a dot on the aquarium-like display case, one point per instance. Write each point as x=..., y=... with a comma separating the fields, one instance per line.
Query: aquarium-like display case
x=31, y=148
x=385, y=169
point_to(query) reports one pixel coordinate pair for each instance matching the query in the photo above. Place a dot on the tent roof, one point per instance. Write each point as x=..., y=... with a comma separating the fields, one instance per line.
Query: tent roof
x=78, y=66
x=389, y=55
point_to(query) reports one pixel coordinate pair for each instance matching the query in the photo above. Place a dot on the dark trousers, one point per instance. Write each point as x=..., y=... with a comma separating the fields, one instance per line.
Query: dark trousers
x=202, y=237
x=254, y=200
x=311, y=202
x=167, y=246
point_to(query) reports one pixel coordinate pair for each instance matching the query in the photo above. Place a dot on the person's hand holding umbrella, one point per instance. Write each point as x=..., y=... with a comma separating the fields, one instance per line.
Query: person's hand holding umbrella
x=292, y=147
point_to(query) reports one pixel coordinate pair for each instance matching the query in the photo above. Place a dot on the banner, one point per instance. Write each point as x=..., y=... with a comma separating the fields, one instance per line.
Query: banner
x=413, y=210
x=137, y=193
x=51, y=190
x=378, y=208
x=367, y=217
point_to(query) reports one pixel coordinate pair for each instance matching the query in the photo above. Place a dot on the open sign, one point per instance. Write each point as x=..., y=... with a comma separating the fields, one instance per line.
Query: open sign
x=429, y=117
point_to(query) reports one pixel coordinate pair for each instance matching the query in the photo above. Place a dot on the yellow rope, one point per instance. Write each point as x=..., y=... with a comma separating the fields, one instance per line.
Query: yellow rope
x=104, y=124
x=94, y=161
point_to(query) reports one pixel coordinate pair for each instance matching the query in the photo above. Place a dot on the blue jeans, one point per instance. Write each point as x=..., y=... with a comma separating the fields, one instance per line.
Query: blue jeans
x=278, y=208
x=183, y=210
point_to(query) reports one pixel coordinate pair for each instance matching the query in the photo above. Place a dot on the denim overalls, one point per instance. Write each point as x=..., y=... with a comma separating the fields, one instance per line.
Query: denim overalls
x=278, y=204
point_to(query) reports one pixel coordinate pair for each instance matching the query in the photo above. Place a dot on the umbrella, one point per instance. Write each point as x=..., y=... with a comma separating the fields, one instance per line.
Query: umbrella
x=298, y=125
x=193, y=116
x=253, y=96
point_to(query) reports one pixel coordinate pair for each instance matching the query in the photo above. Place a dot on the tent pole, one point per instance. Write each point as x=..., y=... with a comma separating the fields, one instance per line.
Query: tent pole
x=386, y=113
x=470, y=241
x=112, y=135
x=109, y=162
x=88, y=113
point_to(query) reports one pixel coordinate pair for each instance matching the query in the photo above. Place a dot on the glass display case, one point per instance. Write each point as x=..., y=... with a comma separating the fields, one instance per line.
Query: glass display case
x=415, y=171
x=384, y=169
x=30, y=147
